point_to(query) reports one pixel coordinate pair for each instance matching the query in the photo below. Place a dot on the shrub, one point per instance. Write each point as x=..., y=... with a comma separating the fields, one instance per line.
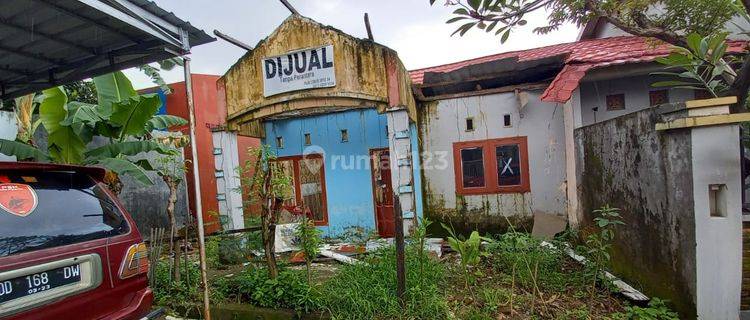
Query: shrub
x=368, y=290
x=173, y=294
x=253, y=286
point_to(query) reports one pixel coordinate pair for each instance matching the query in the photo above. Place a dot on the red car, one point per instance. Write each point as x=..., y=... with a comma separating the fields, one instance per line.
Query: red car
x=68, y=249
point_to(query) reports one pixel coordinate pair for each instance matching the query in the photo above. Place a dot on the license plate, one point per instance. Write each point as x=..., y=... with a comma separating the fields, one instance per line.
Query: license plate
x=39, y=282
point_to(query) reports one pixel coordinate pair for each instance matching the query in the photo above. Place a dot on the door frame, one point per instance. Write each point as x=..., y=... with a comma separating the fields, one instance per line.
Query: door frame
x=372, y=183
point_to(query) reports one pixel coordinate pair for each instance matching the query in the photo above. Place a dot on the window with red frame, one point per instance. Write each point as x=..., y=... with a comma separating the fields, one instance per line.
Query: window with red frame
x=492, y=166
x=308, y=185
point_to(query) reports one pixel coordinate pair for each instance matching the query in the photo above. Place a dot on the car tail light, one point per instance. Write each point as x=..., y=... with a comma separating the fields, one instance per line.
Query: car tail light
x=135, y=262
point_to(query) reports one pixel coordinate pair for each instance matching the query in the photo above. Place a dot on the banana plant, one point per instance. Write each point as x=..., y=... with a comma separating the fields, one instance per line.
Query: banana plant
x=121, y=115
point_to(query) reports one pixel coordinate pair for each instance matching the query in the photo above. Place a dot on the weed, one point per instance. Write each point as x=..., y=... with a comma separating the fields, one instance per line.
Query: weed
x=469, y=249
x=368, y=290
x=657, y=310
x=599, y=244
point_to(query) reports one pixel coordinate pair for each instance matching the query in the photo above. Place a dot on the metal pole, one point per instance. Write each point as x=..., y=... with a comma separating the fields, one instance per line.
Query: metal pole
x=197, y=182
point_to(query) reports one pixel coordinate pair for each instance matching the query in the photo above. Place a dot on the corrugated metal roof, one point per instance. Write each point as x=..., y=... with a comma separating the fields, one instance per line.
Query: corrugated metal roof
x=44, y=43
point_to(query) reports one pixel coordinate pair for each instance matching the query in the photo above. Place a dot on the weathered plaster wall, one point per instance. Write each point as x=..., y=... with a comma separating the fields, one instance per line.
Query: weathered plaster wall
x=443, y=123
x=347, y=164
x=715, y=156
x=636, y=90
x=368, y=74
x=648, y=175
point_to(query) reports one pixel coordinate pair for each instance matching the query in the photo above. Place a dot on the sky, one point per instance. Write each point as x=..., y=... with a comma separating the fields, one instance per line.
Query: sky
x=416, y=30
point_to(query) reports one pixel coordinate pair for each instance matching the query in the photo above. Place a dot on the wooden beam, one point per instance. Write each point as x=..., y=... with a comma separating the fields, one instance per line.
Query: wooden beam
x=525, y=86
x=723, y=101
x=232, y=40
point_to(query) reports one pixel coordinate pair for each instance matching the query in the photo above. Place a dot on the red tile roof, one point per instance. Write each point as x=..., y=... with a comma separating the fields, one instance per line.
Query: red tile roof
x=581, y=57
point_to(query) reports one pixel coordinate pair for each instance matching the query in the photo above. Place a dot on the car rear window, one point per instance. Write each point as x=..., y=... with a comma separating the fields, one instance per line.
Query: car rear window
x=71, y=208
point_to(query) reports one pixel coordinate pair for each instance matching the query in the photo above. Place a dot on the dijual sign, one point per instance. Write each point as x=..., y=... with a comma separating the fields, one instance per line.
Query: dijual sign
x=299, y=70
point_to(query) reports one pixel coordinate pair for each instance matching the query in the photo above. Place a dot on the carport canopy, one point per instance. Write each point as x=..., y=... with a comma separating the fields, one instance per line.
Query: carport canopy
x=45, y=43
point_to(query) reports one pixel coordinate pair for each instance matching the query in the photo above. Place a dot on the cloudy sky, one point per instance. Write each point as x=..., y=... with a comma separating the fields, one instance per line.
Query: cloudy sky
x=412, y=27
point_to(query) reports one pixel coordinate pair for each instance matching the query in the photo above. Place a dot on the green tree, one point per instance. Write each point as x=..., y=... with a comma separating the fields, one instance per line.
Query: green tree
x=171, y=168
x=264, y=181
x=672, y=22
x=122, y=116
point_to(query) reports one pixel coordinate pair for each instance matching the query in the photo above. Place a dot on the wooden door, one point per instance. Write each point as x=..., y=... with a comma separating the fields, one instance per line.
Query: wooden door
x=382, y=192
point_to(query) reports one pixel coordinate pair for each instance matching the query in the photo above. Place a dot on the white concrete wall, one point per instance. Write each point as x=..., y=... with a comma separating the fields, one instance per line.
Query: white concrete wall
x=226, y=159
x=8, y=130
x=593, y=94
x=715, y=153
x=542, y=124
x=399, y=148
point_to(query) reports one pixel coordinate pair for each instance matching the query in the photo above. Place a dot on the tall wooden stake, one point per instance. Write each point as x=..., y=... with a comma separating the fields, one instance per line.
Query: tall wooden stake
x=197, y=182
x=400, y=255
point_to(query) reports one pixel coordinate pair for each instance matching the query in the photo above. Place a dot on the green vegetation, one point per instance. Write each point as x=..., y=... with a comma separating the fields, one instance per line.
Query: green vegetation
x=469, y=251
x=513, y=276
x=121, y=115
x=368, y=290
x=656, y=310
x=289, y=290
x=309, y=242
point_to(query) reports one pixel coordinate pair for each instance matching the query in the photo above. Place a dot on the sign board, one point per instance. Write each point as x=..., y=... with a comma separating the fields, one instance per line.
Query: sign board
x=299, y=70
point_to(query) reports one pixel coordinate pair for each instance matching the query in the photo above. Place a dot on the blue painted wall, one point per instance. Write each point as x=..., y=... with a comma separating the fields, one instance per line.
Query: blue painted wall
x=347, y=164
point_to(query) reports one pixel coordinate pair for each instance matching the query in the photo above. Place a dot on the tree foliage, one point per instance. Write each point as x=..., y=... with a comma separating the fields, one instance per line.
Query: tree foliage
x=699, y=66
x=671, y=21
x=668, y=20
x=120, y=114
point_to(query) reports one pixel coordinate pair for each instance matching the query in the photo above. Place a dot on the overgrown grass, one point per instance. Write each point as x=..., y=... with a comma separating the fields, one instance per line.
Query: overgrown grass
x=368, y=290
x=534, y=265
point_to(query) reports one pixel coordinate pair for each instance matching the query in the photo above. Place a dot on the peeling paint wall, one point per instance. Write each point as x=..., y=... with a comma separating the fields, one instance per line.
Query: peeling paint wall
x=347, y=164
x=442, y=123
x=625, y=163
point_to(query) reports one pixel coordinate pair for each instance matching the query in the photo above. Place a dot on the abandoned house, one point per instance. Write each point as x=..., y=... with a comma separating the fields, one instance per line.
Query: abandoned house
x=339, y=114
x=564, y=129
x=555, y=131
